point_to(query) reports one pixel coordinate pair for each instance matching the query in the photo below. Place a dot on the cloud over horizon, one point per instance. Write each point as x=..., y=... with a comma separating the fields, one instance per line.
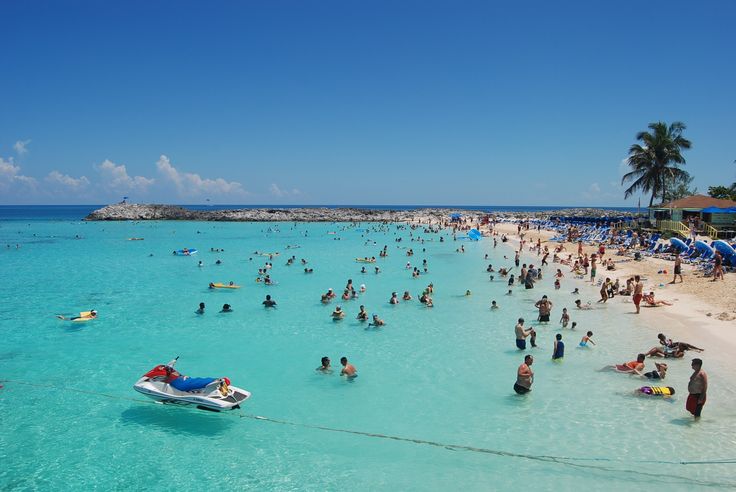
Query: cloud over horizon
x=278, y=192
x=66, y=181
x=115, y=178
x=192, y=184
x=10, y=173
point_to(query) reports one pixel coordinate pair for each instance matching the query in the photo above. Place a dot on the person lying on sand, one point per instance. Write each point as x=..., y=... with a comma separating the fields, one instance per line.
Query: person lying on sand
x=651, y=302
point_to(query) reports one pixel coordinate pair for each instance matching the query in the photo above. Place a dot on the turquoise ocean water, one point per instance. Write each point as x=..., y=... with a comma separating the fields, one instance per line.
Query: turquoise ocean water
x=70, y=419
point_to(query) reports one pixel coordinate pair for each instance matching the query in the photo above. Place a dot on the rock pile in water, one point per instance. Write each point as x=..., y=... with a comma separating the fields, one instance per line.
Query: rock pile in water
x=132, y=211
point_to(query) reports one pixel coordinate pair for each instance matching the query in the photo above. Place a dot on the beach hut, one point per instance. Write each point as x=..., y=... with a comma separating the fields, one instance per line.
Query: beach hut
x=707, y=215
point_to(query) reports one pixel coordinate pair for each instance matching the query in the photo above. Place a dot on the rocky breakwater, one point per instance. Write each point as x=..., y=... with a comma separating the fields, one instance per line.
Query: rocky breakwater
x=124, y=211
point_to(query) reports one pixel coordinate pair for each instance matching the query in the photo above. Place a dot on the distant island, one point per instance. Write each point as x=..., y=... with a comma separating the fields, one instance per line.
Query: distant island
x=132, y=211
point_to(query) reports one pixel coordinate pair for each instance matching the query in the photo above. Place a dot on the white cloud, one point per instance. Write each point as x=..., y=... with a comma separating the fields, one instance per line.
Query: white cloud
x=9, y=174
x=276, y=191
x=191, y=184
x=593, y=191
x=55, y=177
x=8, y=169
x=21, y=146
x=115, y=177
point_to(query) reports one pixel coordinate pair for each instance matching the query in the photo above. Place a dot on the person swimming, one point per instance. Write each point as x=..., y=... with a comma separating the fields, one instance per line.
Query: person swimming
x=201, y=309
x=226, y=308
x=325, y=368
x=268, y=302
x=91, y=314
x=362, y=314
x=494, y=305
x=407, y=296
x=394, y=298
x=376, y=321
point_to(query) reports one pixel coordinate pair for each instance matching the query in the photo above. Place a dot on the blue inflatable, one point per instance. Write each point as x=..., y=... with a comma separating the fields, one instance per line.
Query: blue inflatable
x=679, y=244
x=725, y=248
x=188, y=252
x=474, y=234
x=704, y=249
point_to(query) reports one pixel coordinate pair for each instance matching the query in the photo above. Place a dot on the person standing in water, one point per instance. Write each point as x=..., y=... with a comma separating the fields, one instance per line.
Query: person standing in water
x=638, y=290
x=558, y=350
x=697, y=388
x=522, y=334
x=348, y=369
x=524, y=376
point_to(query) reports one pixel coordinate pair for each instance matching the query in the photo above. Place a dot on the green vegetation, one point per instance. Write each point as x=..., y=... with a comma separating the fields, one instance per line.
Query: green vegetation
x=724, y=192
x=654, y=161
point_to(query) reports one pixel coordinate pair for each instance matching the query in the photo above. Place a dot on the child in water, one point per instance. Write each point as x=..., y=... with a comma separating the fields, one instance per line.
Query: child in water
x=587, y=339
x=565, y=319
x=558, y=351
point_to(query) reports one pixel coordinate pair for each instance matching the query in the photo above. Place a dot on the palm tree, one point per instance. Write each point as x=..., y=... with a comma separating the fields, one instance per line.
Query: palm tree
x=655, y=161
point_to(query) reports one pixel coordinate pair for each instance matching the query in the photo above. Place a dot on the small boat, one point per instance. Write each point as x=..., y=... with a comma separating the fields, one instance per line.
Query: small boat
x=135, y=239
x=165, y=384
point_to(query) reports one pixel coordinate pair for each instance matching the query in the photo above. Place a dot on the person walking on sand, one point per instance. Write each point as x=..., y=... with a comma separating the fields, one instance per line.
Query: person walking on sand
x=524, y=376
x=593, y=269
x=717, y=266
x=637, y=295
x=678, y=269
x=697, y=389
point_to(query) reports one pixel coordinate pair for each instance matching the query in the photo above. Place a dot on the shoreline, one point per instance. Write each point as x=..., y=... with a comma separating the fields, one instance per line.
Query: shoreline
x=701, y=308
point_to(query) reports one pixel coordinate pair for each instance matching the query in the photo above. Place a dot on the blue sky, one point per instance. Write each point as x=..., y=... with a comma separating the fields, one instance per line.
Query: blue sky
x=347, y=102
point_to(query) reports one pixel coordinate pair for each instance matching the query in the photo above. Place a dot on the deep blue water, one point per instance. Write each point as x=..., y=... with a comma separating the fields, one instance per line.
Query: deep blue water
x=78, y=212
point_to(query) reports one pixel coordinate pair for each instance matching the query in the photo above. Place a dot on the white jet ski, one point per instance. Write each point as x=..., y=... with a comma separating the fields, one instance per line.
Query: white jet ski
x=163, y=383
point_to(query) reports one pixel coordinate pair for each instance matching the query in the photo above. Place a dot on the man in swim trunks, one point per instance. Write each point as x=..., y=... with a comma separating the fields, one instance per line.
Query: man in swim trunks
x=348, y=369
x=697, y=389
x=638, y=289
x=521, y=335
x=269, y=303
x=545, y=308
x=524, y=376
x=678, y=269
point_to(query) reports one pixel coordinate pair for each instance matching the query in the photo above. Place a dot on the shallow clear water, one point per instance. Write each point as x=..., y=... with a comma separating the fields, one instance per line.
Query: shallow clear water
x=70, y=418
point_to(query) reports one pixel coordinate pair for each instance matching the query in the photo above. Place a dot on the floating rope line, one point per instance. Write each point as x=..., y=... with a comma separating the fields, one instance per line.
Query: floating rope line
x=562, y=460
